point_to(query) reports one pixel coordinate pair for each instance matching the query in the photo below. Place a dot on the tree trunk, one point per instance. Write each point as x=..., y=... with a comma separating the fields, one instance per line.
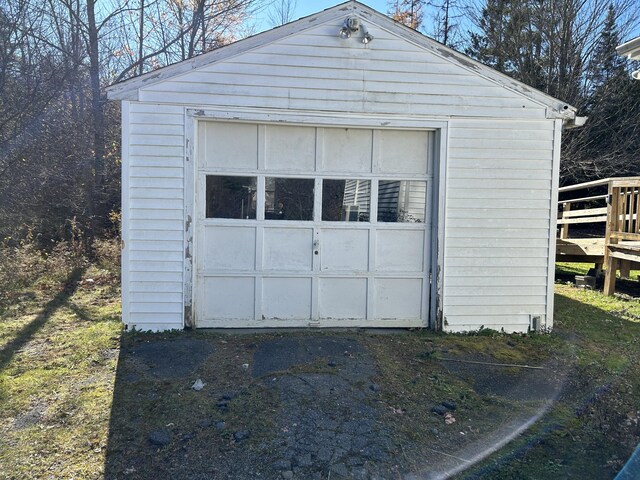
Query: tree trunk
x=98, y=124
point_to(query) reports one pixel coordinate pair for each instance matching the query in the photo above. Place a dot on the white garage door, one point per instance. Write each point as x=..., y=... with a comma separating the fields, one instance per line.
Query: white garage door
x=312, y=226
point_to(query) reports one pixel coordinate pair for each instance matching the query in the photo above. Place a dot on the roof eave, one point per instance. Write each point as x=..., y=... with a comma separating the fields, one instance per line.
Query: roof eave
x=630, y=49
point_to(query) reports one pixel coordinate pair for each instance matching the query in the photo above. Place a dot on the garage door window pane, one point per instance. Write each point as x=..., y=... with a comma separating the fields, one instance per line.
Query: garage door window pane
x=231, y=197
x=288, y=198
x=402, y=201
x=346, y=200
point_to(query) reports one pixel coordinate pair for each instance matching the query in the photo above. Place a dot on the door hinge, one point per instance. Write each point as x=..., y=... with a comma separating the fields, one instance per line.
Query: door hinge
x=430, y=278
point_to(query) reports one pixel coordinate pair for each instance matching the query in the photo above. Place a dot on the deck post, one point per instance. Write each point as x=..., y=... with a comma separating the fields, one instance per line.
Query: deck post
x=610, y=276
x=564, y=228
x=625, y=268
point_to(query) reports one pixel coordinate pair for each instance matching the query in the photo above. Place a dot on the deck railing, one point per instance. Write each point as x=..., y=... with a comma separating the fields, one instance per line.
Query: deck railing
x=591, y=209
x=622, y=226
x=618, y=209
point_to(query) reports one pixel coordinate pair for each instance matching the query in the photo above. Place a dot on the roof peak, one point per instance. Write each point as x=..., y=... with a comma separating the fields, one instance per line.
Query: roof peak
x=128, y=89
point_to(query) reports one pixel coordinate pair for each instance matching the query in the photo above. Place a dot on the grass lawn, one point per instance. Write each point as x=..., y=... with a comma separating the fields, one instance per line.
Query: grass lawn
x=59, y=350
x=58, y=353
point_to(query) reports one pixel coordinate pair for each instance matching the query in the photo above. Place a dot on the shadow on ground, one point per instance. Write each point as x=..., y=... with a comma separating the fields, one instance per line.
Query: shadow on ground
x=27, y=333
x=312, y=406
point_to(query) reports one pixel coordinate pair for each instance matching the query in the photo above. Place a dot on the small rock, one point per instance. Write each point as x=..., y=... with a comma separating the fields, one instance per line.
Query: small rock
x=374, y=387
x=245, y=366
x=439, y=409
x=159, y=438
x=331, y=363
x=241, y=435
x=228, y=396
x=222, y=405
x=220, y=425
x=198, y=385
x=282, y=465
x=449, y=405
x=435, y=431
x=288, y=475
x=187, y=437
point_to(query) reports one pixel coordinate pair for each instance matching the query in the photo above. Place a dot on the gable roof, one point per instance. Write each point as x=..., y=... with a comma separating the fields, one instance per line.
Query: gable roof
x=128, y=89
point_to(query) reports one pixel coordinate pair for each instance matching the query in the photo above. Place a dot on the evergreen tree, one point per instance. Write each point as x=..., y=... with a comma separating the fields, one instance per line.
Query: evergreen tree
x=488, y=44
x=607, y=145
x=605, y=63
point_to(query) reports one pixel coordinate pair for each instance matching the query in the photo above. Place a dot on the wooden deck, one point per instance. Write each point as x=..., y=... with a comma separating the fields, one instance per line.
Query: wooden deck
x=611, y=205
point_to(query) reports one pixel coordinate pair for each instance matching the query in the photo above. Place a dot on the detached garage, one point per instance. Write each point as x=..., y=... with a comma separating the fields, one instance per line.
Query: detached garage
x=341, y=170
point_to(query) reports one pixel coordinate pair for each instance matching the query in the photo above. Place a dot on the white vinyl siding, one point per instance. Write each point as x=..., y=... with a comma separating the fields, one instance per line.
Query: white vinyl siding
x=155, y=221
x=497, y=227
x=316, y=71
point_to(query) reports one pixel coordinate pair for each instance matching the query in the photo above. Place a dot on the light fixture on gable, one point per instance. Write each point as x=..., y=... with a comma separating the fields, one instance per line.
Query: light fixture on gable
x=367, y=37
x=353, y=25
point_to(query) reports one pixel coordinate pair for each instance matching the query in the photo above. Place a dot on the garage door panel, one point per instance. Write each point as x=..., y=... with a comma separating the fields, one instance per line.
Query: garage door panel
x=288, y=249
x=344, y=250
x=343, y=298
x=403, y=151
x=346, y=150
x=228, y=145
x=286, y=298
x=398, y=298
x=228, y=297
x=290, y=148
x=400, y=250
x=229, y=248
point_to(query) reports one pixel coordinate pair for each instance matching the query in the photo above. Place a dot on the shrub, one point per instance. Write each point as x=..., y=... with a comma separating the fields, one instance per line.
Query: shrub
x=23, y=264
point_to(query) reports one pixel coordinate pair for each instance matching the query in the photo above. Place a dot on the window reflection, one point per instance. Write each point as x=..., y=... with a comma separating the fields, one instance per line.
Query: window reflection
x=231, y=197
x=346, y=200
x=288, y=198
x=402, y=201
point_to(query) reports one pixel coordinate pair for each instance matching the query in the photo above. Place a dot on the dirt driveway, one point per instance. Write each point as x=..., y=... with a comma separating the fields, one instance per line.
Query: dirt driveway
x=318, y=405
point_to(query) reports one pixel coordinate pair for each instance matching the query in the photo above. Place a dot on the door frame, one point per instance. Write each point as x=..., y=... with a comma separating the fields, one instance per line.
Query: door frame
x=435, y=276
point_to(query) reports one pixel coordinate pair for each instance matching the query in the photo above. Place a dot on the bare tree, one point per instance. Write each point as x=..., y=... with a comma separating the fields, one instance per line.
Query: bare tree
x=59, y=138
x=445, y=15
x=282, y=11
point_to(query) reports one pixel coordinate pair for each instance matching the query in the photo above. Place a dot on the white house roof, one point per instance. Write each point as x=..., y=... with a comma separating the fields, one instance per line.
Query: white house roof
x=630, y=49
x=128, y=89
